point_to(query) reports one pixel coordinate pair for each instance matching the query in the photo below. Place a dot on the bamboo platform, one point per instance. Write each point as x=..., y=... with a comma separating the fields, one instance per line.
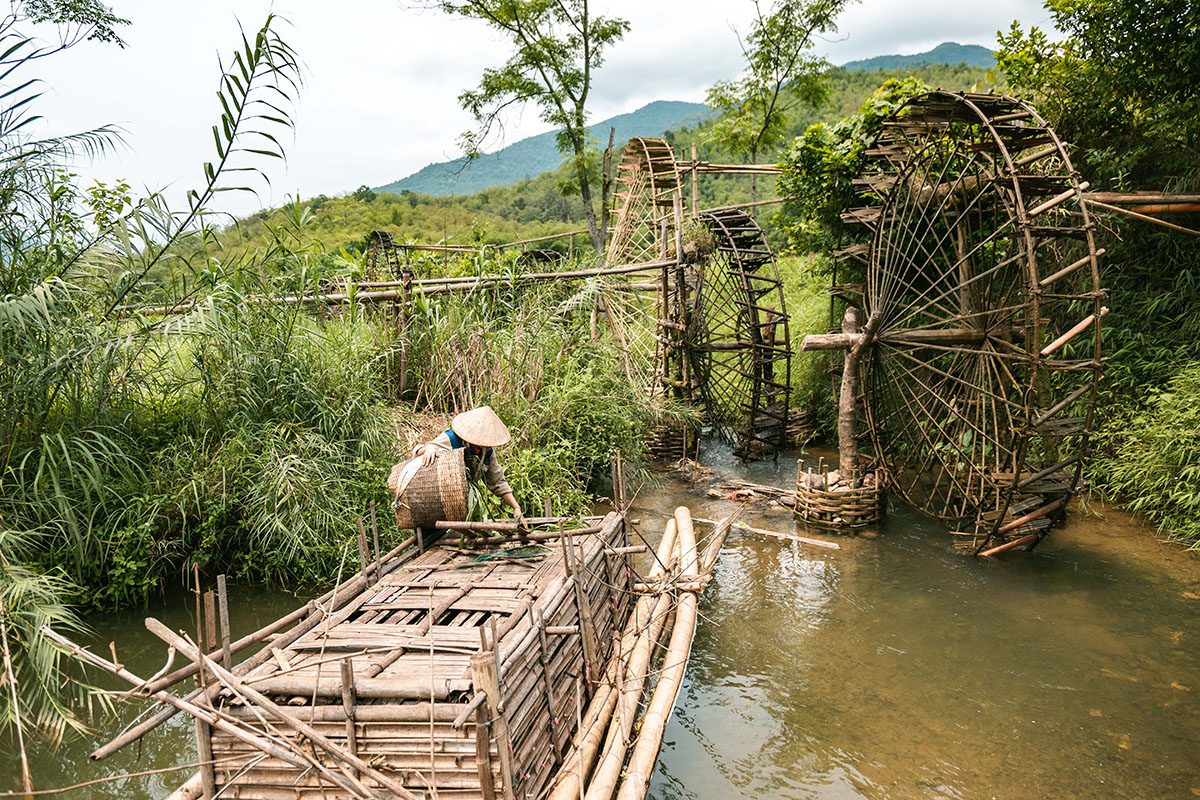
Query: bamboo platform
x=460, y=671
x=499, y=645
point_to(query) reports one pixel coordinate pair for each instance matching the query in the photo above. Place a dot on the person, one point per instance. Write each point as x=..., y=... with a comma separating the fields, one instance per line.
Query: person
x=480, y=431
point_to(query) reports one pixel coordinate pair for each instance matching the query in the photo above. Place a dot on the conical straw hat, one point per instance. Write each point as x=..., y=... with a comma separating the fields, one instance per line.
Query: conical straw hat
x=480, y=426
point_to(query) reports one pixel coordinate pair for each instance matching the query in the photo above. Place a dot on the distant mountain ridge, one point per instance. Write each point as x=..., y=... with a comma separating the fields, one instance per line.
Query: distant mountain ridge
x=537, y=154
x=949, y=53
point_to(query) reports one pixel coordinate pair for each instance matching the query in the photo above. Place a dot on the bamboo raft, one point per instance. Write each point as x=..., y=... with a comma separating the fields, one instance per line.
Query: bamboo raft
x=455, y=671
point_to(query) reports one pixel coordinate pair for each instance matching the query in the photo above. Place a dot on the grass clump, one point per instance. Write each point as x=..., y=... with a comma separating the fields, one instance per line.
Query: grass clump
x=1150, y=458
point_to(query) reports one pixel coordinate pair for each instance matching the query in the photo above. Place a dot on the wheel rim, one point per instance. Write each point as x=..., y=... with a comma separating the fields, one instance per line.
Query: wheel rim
x=981, y=259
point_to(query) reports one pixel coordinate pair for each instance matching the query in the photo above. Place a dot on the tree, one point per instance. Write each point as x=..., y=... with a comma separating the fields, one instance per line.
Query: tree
x=557, y=46
x=1120, y=86
x=818, y=169
x=781, y=74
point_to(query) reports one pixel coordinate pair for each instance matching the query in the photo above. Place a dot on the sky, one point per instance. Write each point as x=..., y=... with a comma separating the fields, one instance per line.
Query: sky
x=382, y=78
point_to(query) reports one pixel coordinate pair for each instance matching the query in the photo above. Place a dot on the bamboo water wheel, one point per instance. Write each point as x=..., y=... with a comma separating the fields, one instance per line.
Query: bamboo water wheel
x=739, y=344
x=383, y=257
x=722, y=333
x=982, y=304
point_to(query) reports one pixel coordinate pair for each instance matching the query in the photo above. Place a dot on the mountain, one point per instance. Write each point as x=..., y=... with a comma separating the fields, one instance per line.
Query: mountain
x=950, y=53
x=538, y=154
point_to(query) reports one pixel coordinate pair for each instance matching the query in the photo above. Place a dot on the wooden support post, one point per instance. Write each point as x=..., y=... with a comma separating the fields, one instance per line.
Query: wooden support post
x=363, y=558
x=348, y=706
x=695, y=184
x=483, y=752
x=204, y=751
x=210, y=620
x=486, y=679
x=405, y=295
x=223, y=611
x=848, y=403
x=683, y=377
x=375, y=540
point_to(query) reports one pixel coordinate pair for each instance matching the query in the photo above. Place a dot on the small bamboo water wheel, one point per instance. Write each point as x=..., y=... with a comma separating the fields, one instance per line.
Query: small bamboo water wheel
x=722, y=333
x=982, y=304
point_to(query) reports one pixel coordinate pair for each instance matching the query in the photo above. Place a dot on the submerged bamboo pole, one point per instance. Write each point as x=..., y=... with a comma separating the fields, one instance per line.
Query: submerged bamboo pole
x=649, y=741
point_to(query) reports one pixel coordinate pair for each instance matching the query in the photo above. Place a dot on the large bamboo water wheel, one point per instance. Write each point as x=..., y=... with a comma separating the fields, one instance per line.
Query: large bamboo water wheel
x=647, y=183
x=982, y=305
x=722, y=327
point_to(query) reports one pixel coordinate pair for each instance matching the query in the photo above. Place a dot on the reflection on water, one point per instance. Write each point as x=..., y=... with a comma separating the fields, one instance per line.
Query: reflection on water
x=896, y=668
x=893, y=668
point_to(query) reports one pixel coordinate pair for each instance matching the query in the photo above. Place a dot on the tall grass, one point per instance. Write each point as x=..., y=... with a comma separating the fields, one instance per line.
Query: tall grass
x=533, y=357
x=1150, y=458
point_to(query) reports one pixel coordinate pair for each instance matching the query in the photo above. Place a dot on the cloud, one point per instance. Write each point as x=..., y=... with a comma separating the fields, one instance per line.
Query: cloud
x=383, y=80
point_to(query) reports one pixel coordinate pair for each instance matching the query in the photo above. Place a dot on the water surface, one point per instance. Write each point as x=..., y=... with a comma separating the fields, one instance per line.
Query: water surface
x=898, y=668
x=892, y=668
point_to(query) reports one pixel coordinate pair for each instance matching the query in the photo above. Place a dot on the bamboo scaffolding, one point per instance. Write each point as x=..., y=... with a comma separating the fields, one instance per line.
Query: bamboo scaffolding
x=304, y=619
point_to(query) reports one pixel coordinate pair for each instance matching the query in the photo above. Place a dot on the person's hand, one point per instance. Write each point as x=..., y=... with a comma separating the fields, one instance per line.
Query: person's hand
x=427, y=456
x=522, y=523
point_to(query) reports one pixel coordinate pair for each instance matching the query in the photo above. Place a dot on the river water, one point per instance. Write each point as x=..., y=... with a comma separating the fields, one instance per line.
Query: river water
x=891, y=668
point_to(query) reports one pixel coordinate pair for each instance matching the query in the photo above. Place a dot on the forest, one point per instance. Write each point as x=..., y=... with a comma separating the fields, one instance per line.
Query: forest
x=241, y=435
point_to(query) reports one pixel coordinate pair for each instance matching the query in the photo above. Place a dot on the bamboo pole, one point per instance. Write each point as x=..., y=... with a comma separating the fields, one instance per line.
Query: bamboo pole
x=790, y=537
x=608, y=770
x=645, y=752
x=223, y=610
x=591, y=734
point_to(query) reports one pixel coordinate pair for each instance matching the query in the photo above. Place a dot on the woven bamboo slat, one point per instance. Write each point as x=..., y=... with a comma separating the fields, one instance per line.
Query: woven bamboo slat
x=843, y=507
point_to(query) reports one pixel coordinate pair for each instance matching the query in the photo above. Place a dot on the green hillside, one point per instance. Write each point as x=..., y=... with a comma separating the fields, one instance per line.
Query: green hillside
x=537, y=154
x=948, y=53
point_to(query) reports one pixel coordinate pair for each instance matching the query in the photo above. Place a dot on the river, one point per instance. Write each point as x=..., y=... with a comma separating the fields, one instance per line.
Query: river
x=891, y=668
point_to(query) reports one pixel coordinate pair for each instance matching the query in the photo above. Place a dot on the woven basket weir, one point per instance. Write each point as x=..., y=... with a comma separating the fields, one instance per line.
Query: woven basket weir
x=842, y=508
x=670, y=442
x=437, y=492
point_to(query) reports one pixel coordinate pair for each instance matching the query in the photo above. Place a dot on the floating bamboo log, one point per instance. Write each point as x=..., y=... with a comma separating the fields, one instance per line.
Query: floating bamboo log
x=591, y=733
x=790, y=537
x=649, y=741
x=629, y=691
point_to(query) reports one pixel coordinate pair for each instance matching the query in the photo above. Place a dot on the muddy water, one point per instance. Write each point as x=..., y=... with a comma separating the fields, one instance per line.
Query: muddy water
x=892, y=668
x=896, y=668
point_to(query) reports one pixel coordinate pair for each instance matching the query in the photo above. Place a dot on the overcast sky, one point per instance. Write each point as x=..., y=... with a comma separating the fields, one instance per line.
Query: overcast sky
x=382, y=80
